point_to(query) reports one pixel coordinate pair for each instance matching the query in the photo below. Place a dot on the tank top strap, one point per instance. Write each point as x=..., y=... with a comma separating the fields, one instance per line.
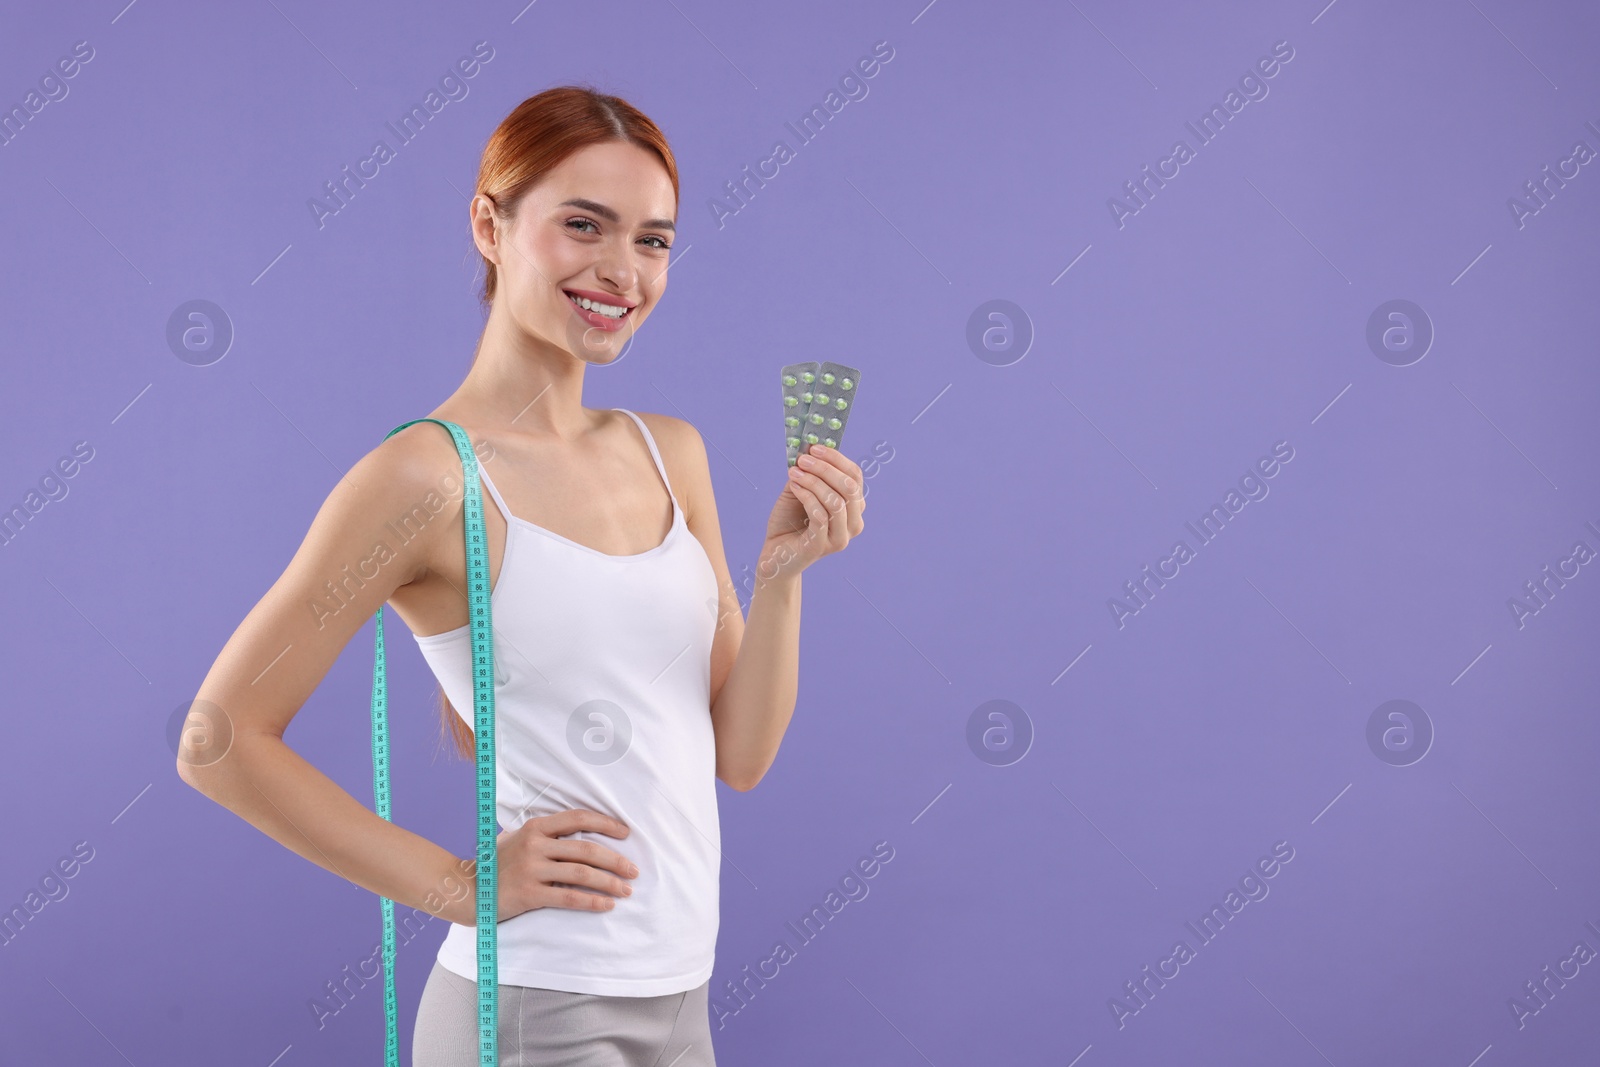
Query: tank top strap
x=499, y=501
x=655, y=453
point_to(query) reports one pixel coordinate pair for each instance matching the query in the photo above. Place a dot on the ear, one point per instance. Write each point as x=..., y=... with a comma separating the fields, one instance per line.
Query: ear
x=485, y=228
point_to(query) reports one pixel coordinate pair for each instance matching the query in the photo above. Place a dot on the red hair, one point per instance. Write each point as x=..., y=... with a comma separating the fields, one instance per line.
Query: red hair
x=538, y=135
x=543, y=131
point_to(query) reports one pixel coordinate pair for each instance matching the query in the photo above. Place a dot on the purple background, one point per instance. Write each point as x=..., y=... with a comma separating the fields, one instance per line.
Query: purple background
x=1228, y=314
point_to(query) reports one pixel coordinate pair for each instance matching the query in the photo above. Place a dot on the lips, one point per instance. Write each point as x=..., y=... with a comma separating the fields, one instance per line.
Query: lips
x=594, y=318
x=602, y=298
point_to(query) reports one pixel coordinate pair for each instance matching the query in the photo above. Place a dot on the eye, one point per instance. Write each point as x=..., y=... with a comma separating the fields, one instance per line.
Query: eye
x=663, y=246
x=583, y=222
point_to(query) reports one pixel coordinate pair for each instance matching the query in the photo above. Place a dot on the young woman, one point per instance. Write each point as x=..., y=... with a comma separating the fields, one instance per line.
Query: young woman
x=627, y=679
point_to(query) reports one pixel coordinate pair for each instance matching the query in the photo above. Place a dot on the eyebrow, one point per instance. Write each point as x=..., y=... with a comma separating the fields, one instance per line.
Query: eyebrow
x=606, y=213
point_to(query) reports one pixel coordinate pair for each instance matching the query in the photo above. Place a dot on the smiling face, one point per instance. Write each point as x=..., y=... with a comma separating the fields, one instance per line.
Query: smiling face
x=584, y=261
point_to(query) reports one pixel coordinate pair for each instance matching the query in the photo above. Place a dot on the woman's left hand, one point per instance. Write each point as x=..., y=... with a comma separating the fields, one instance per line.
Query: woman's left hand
x=817, y=513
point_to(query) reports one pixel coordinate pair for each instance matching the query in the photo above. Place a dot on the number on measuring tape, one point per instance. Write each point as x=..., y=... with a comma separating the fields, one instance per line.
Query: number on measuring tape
x=480, y=617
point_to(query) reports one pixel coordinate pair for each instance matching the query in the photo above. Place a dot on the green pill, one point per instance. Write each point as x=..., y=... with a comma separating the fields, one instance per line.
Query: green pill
x=816, y=410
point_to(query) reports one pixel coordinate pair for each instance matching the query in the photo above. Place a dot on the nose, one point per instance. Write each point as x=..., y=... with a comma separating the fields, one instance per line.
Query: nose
x=615, y=268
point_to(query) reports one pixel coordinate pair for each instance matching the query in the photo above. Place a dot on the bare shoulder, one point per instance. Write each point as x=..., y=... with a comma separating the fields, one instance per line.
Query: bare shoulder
x=669, y=430
x=348, y=565
x=418, y=449
x=417, y=459
x=683, y=452
x=415, y=473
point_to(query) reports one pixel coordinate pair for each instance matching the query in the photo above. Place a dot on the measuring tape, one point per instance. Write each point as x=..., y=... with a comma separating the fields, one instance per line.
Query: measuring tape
x=478, y=615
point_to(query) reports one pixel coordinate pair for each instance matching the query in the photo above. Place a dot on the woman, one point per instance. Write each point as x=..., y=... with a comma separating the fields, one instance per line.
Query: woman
x=627, y=679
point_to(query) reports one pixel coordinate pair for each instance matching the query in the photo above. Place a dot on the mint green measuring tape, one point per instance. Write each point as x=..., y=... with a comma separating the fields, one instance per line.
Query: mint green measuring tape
x=478, y=615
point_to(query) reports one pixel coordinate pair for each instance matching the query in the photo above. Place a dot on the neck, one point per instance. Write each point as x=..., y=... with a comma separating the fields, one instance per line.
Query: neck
x=520, y=382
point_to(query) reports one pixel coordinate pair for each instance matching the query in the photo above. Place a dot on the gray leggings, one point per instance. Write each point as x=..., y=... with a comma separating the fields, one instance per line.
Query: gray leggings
x=554, y=1028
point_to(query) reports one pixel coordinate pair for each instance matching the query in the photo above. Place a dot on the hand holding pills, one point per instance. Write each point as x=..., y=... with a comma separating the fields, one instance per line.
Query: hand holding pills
x=821, y=505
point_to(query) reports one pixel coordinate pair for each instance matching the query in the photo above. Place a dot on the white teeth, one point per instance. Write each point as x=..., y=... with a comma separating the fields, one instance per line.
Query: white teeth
x=607, y=310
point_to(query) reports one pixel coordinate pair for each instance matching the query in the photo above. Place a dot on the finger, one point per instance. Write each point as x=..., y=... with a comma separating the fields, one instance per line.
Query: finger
x=829, y=470
x=818, y=515
x=821, y=487
x=561, y=823
x=838, y=519
x=826, y=522
x=796, y=521
x=834, y=456
x=843, y=476
x=581, y=874
x=846, y=464
x=836, y=502
x=594, y=854
x=575, y=899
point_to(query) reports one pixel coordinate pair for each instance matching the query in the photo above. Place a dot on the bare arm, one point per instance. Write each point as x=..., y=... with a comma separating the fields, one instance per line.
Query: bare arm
x=755, y=663
x=753, y=711
x=233, y=749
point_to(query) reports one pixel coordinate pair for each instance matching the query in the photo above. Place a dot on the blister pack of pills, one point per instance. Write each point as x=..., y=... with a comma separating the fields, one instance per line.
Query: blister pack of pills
x=817, y=401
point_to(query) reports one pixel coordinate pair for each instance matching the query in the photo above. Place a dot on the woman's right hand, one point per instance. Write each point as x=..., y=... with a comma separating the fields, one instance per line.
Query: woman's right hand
x=537, y=854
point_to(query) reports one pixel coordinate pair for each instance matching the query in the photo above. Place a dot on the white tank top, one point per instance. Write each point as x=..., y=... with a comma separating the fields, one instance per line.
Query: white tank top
x=603, y=701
